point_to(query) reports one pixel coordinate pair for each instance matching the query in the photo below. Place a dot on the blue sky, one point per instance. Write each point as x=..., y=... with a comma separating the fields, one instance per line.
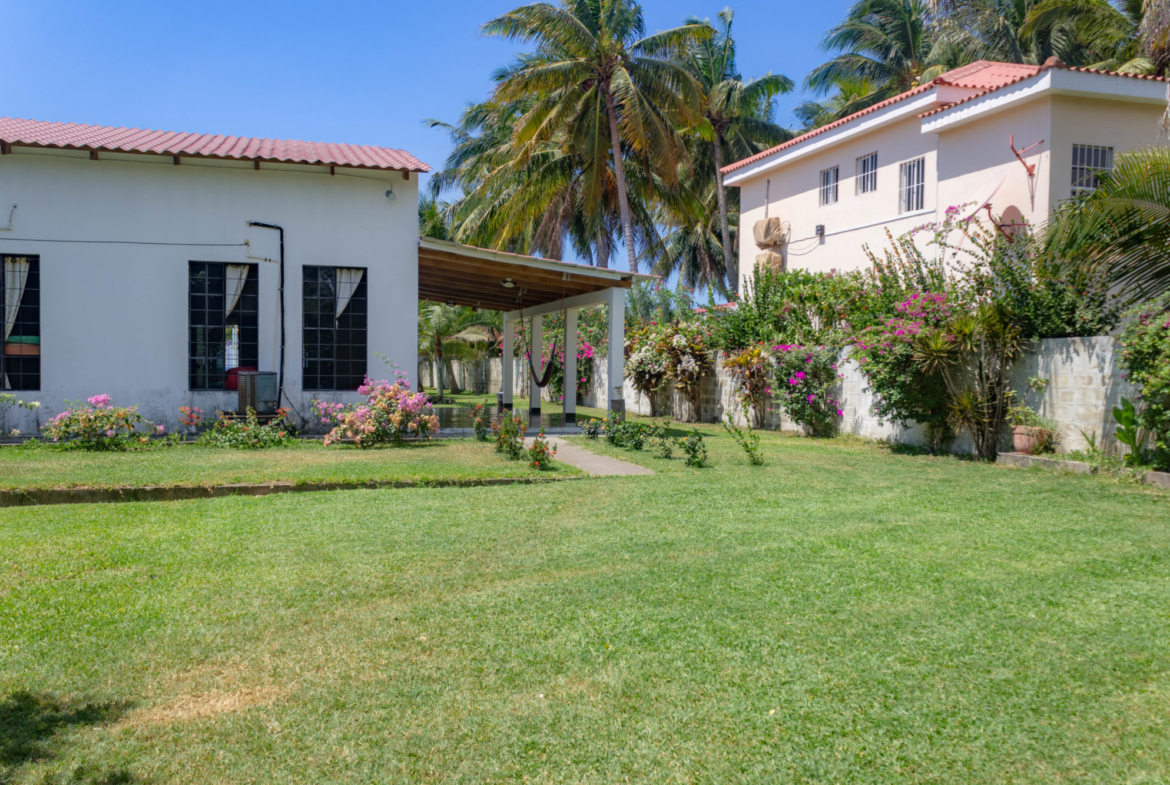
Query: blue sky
x=357, y=72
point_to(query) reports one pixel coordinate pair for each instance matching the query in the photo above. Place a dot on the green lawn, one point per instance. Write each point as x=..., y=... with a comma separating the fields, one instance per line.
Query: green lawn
x=840, y=615
x=307, y=462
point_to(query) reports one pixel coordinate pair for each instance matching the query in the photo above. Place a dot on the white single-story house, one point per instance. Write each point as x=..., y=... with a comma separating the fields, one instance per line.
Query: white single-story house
x=1017, y=139
x=153, y=266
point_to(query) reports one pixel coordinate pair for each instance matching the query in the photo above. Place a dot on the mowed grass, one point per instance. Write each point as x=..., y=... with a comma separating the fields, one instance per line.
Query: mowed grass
x=840, y=615
x=306, y=462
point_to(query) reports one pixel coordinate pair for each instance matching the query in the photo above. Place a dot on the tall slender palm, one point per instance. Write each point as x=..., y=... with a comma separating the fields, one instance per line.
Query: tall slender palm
x=445, y=331
x=887, y=43
x=737, y=114
x=1107, y=35
x=433, y=218
x=594, y=70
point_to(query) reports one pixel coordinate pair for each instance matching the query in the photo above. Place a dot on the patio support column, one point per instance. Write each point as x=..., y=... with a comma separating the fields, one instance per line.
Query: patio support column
x=508, y=363
x=617, y=350
x=570, y=370
x=535, y=349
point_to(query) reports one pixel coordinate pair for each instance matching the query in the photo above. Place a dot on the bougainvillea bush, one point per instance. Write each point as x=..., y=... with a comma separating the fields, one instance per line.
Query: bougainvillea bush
x=556, y=382
x=646, y=363
x=98, y=425
x=1145, y=359
x=687, y=347
x=806, y=378
x=903, y=391
x=390, y=414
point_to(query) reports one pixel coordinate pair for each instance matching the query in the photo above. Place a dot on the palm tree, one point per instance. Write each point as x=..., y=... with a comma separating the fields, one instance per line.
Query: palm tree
x=450, y=331
x=1125, y=37
x=433, y=218
x=736, y=113
x=595, y=71
x=1122, y=229
x=887, y=43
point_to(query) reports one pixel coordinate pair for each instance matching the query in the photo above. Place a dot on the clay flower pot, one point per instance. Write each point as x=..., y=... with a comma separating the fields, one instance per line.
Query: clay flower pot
x=1028, y=439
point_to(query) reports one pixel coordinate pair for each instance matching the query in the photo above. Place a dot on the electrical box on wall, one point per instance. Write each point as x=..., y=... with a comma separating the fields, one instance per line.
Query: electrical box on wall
x=820, y=230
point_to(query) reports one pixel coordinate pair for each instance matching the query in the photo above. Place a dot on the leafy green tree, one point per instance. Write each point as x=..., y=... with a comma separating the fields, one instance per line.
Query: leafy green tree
x=597, y=81
x=433, y=219
x=1122, y=229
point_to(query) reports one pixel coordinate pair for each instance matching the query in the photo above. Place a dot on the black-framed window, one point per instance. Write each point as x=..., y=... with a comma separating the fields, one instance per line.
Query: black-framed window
x=334, y=333
x=223, y=306
x=20, y=322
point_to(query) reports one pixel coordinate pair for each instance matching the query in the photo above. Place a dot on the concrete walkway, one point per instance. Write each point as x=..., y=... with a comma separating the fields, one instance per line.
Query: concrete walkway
x=595, y=465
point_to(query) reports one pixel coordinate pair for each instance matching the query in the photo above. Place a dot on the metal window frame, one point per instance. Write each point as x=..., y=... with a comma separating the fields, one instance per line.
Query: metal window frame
x=22, y=329
x=867, y=169
x=1089, y=160
x=912, y=185
x=358, y=302
x=828, y=189
x=249, y=319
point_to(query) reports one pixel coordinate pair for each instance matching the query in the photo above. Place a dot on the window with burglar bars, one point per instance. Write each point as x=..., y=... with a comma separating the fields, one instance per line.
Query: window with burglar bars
x=829, y=185
x=912, y=186
x=334, y=332
x=20, y=319
x=867, y=173
x=1089, y=160
x=223, y=324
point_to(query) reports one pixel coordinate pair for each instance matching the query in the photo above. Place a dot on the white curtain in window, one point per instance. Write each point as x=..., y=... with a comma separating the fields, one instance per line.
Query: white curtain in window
x=348, y=279
x=15, y=278
x=236, y=276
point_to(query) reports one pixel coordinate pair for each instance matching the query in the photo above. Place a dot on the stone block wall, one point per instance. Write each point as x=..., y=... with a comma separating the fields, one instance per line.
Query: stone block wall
x=1084, y=376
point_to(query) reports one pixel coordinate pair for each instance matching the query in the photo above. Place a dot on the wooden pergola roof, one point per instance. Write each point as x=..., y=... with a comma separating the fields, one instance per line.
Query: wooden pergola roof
x=465, y=275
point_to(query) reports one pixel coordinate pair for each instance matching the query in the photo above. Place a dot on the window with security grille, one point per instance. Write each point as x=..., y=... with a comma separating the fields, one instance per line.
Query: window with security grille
x=1088, y=161
x=912, y=186
x=829, y=185
x=20, y=319
x=223, y=322
x=334, y=331
x=867, y=173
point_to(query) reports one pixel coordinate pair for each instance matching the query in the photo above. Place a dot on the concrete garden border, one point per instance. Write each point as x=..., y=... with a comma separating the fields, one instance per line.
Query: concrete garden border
x=32, y=497
x=1017, y=459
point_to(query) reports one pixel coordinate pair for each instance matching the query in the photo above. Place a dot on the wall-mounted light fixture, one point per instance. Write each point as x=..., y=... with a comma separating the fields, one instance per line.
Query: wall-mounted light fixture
x=390, y=194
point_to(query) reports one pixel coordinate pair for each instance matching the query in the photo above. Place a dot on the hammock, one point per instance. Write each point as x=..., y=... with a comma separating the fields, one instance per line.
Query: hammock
x=542, y=380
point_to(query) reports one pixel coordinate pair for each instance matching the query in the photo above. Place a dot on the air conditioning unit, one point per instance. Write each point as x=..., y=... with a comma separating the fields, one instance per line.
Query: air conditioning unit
x=258, y=392
x=769, y=233
x=770, y=260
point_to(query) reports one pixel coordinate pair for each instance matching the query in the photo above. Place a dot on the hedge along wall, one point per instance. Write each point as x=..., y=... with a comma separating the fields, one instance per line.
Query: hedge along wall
x=1085, y=385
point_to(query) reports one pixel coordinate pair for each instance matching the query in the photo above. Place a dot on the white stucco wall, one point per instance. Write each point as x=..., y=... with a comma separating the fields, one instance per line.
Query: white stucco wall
x=114, y=317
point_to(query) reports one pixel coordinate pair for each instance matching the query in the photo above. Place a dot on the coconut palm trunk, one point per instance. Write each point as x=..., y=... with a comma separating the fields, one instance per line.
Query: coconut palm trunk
x=619, y=170
x=721, y=195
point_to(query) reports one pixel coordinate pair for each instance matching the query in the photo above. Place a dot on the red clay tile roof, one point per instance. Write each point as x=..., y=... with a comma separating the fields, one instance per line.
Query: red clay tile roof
x=36, y=133
x=1036, y=70
x=983, y=75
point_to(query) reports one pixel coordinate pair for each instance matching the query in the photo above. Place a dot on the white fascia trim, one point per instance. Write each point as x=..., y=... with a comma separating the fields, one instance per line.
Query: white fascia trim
x=861, y=125
x=1052, y=82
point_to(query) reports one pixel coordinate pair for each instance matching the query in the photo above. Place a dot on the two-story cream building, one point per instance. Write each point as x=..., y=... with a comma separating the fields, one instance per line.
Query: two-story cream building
x=1017, y=139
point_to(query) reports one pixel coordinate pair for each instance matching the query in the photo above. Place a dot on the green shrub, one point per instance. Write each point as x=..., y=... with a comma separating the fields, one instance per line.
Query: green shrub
x=540, y=454
x=807, y=377
x=1145, y=360
x=248, y=433
x=592, y=428
x=695, y=449
x=749, y=440
x=508, y=434
x=97, y=425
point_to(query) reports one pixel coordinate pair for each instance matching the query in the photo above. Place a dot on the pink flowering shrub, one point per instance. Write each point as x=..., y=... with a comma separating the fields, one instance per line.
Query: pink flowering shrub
x=390, y=414
x=97, y=425
x=903, y=391
x=806, y=380
x=556, y=382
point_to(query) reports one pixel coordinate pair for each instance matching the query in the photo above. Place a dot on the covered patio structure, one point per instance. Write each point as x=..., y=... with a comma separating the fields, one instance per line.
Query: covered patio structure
x=527, y=287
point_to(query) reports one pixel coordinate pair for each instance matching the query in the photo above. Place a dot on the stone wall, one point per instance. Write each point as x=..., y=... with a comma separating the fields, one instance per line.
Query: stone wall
x=1085, y=384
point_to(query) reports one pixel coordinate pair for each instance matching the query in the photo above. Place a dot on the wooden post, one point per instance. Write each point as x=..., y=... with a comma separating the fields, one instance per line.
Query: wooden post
x=617, y=351
x=570, y=370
